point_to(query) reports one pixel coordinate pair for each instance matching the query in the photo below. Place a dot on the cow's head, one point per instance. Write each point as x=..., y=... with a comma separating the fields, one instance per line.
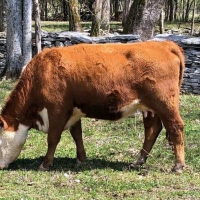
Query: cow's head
x=11, y=142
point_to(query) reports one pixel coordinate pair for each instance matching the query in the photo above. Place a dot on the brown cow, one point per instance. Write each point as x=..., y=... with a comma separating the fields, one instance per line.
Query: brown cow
x=109, y=81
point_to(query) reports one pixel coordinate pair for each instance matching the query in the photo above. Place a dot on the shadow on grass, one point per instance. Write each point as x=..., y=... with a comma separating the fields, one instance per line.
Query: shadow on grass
x=63, y=164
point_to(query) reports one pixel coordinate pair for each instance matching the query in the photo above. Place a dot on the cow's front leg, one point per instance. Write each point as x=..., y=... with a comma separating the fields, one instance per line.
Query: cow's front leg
x=56, y=127
x=52, y=141
x=76, y=132
x=152, y=128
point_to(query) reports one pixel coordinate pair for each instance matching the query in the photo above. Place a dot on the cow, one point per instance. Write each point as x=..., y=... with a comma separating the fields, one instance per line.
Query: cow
x=59, y=86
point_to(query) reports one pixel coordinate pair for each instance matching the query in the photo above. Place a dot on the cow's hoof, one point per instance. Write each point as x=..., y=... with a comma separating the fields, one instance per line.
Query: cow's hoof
x=178, y=168
x=78, y=162
x=134, y=166
x=42, y=168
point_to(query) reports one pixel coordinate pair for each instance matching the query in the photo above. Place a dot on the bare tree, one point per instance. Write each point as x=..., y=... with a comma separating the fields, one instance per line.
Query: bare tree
x=44, y=9
x=142, y=17
x=105, y=16
x=27, y=31
x=101, y=17
x=96, y=18
x=37, y=26
x=65, y=10
x=2, y=16
x=116, y=9
x=193, y=17
x=127, y=5
x=74, y=17
x=188, y=9
x=18, y=35
x=161, y=25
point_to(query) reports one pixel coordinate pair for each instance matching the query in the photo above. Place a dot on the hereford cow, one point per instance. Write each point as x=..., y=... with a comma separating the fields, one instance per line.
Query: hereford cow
x=103, y=81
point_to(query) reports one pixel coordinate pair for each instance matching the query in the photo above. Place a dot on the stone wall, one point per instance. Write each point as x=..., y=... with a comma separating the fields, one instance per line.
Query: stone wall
x=191, y=48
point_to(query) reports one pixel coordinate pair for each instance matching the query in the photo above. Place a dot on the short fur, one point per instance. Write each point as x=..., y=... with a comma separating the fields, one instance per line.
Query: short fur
x=100, y=80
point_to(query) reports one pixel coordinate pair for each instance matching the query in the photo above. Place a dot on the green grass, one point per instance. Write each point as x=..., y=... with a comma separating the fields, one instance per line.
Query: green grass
x=56, y=26
x=110, y=148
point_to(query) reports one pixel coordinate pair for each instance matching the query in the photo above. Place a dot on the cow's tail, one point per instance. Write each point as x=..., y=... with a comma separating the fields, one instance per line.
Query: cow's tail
x=178, y=51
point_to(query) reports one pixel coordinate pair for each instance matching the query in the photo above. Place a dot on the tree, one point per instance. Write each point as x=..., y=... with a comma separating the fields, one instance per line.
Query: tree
x=105, y=16
x=26, y=31
x=161, y=25
x=65, y=10
x=96, y=18
x=142, y=17
x=74, y=17
x=44, y=10
x=37, y=26
x=187, y=10
x=116, y=9
x=2, y=16
x=19, y=43
x=193, y=16
x=101, y=17
x=127, y=5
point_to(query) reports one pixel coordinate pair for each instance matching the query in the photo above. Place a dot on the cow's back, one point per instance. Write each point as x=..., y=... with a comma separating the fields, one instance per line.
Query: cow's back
x=99, y=78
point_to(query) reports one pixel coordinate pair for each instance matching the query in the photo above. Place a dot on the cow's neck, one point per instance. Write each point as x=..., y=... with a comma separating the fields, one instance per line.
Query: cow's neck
x=17, y=104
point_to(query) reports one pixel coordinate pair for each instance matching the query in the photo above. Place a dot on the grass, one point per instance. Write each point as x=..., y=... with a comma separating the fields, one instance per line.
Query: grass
x=55, y=26
x=52, y=26
x=110, y=148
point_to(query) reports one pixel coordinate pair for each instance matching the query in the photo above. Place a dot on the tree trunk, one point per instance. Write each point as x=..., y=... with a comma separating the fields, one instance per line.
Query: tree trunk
x=18, y=36
x=167, y=10
x=116, y=3
x=105, y=16
x=187, y=12
x=127, y=5
x=193, y=17
x=37, y=26
x=46, y=10
x=27, y=31
x=183, y=8
x=142, y=17
x=96, y=18
x=188, y=8
x=175, y=9
x=171, y=10
x=14, y=38
x=2, y=16
x=161, y=22
x=65, y=13
x=74, y=17
x=134, y=17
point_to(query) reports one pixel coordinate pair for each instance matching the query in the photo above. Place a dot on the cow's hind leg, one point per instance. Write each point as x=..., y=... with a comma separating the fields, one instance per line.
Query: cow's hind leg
x=56, y=127
x=76, y=132
x=174, y=127
x=152, y=128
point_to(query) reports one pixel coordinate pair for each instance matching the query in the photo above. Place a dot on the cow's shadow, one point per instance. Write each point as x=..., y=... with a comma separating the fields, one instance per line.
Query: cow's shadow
x=68, y=164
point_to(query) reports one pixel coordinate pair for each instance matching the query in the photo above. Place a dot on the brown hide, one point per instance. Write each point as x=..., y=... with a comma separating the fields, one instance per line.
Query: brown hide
x=100, y=80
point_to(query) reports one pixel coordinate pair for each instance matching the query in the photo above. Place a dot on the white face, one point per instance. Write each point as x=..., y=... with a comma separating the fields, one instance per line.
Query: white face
x=11, y=144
